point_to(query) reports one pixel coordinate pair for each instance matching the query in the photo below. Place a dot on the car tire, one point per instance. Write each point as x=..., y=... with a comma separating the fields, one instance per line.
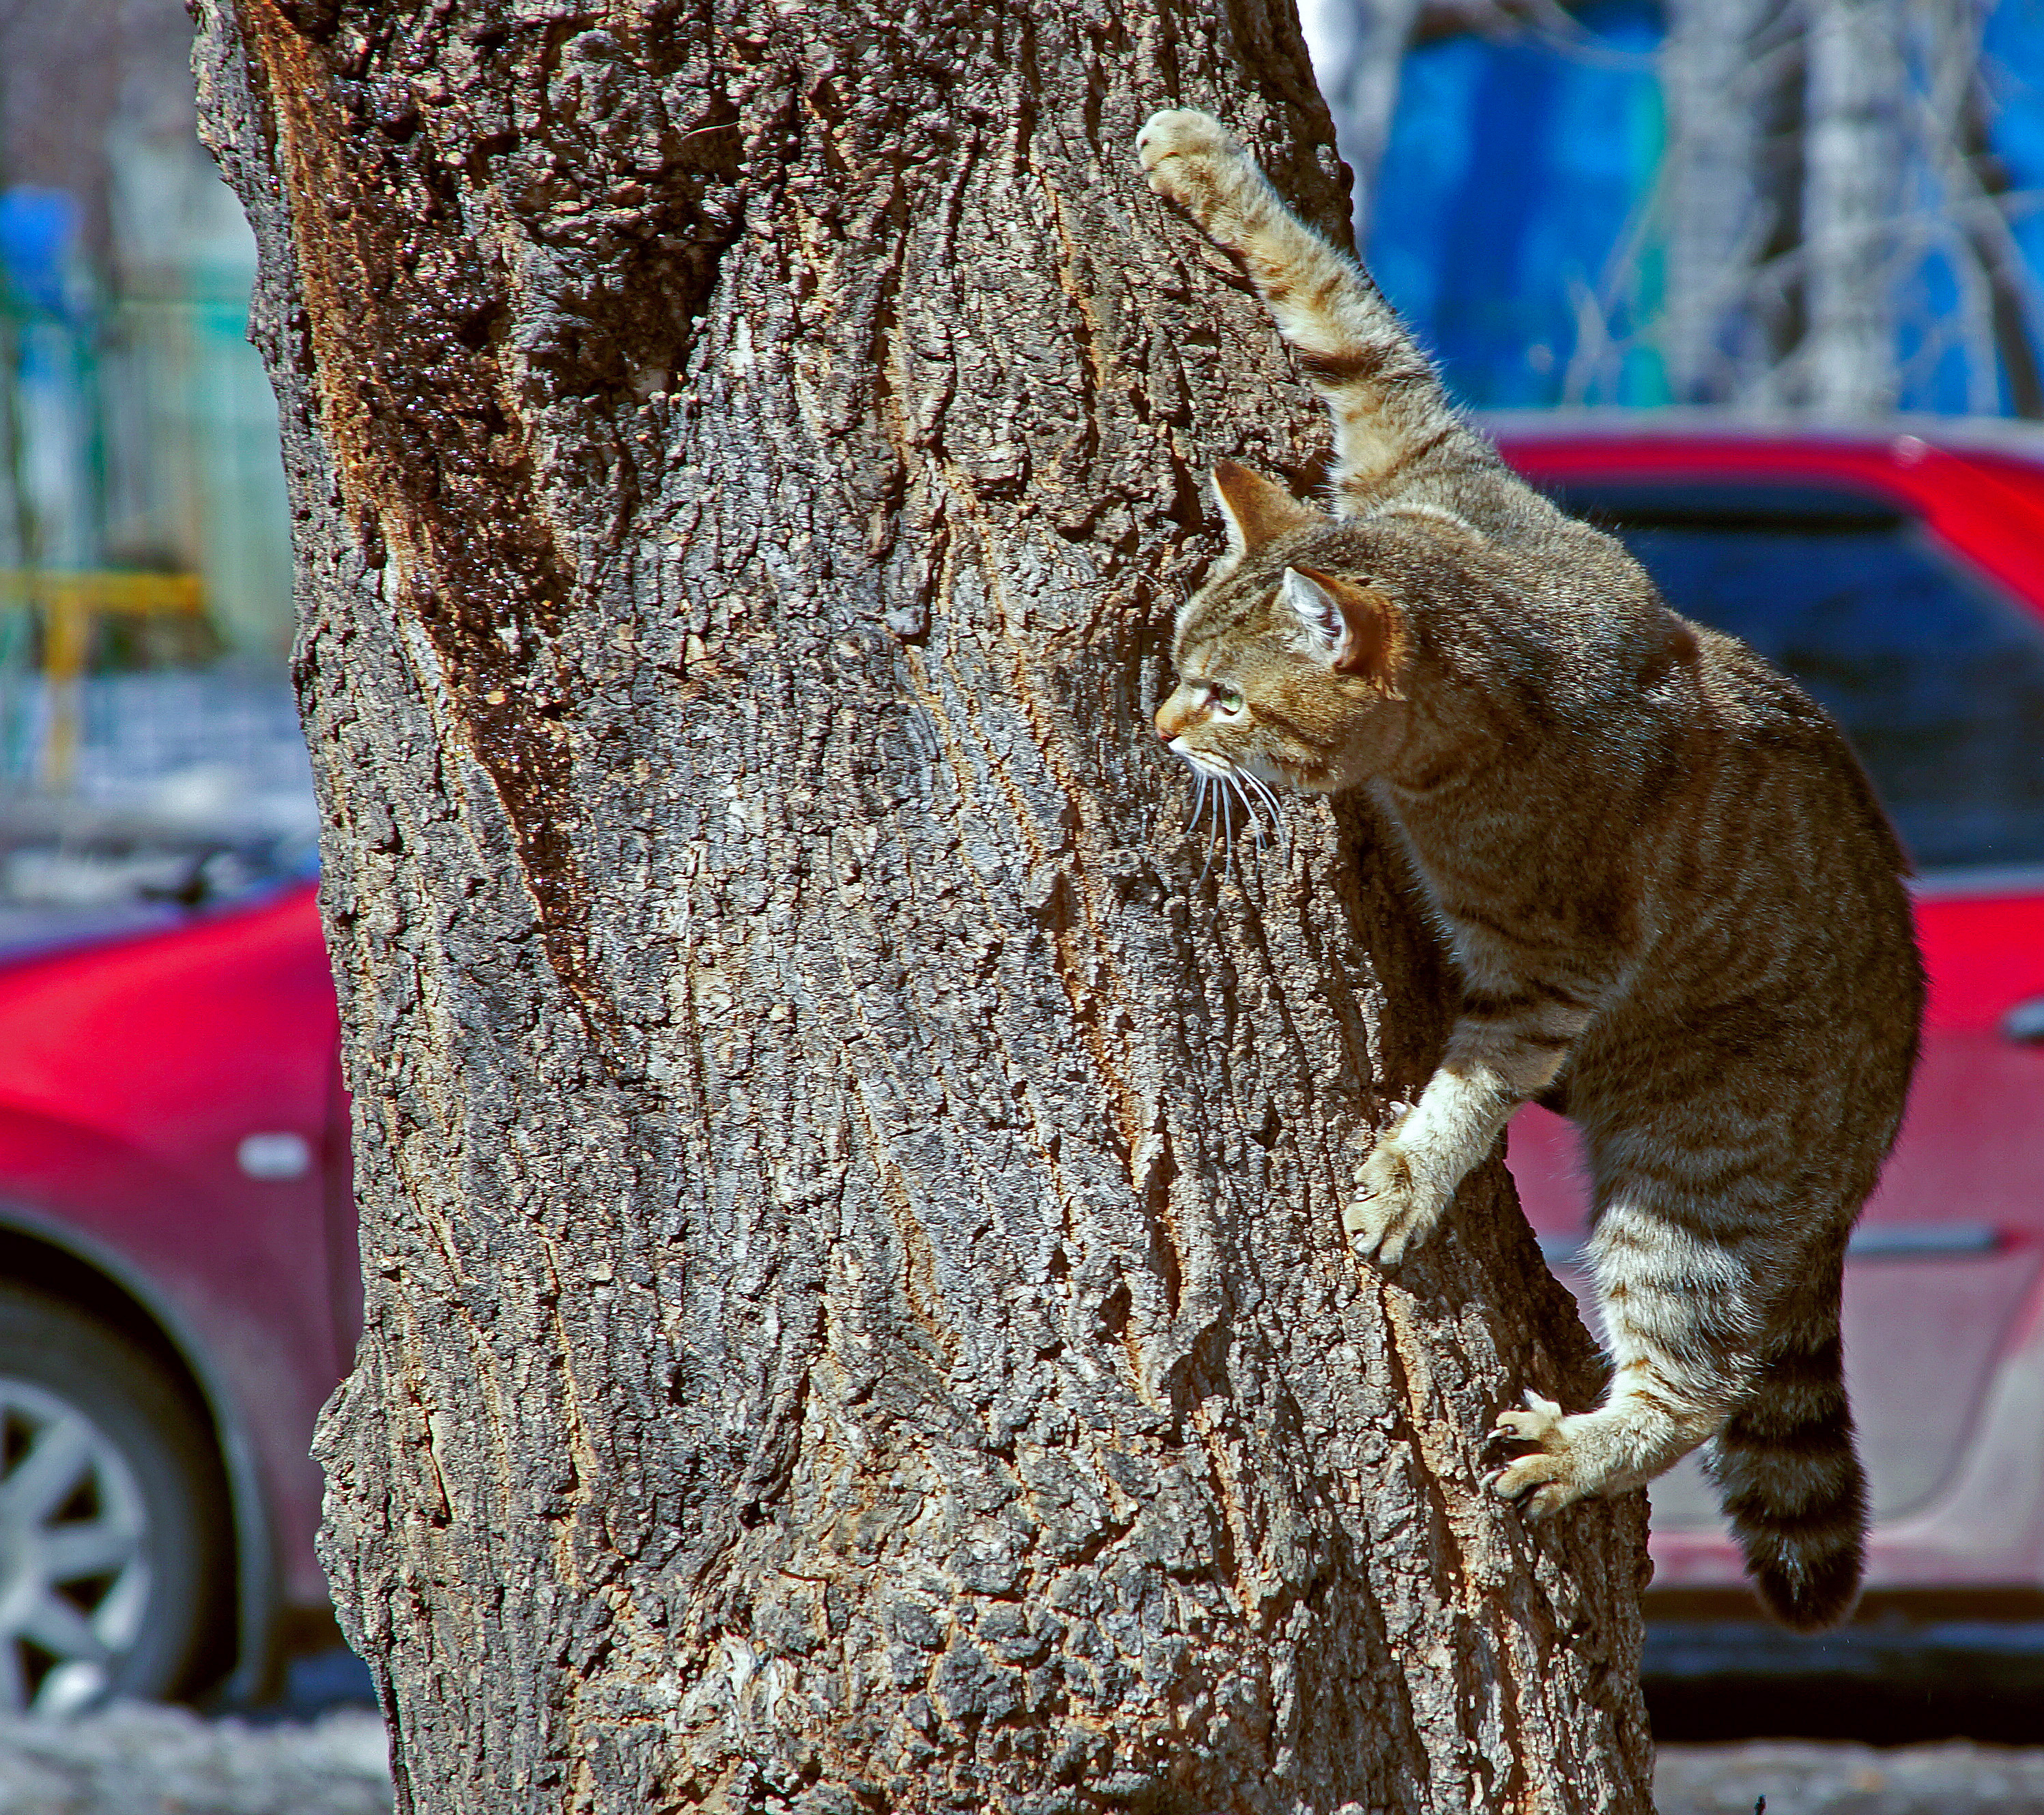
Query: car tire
x=115, y=1562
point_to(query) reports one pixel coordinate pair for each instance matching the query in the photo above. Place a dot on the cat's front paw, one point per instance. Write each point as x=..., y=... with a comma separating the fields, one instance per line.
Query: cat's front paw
x=1188, y=157
x=1398, y=1199
x=1544, y=1481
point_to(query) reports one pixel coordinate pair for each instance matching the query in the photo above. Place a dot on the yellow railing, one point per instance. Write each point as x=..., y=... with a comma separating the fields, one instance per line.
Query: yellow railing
x=70, y=601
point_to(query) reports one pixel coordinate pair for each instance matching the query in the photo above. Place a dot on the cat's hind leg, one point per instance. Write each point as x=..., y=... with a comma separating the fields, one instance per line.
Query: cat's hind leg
x=1682, y=1312
x=1389, y=407
x=1695, y=1359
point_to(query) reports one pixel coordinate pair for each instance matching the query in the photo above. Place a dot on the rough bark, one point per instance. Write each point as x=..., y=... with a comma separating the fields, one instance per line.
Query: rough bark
x=857, y=1316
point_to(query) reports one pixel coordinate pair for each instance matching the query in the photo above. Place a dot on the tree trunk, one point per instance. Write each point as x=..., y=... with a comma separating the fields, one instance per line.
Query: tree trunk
x=1852, y=157
x=1359, y=47
x=1722, y=67
x=857, y=1314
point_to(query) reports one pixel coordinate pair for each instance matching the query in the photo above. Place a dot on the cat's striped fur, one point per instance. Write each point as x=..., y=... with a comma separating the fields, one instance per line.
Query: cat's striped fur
x=1674, y=905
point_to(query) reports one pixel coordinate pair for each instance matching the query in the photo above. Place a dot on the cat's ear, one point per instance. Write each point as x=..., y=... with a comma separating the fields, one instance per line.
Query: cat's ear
x=1257, y=510
x=1353, y=629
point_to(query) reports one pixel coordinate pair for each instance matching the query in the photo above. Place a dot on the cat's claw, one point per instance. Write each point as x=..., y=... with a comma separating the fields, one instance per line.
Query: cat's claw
x=1396, y=1203
x=1543, y=1483
x=1533, y=1424
x=1179, y=148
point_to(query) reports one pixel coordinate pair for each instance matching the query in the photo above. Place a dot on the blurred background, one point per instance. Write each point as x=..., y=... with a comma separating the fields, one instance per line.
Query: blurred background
x=1827, y=207
x=1715, y=242
x=148, y=745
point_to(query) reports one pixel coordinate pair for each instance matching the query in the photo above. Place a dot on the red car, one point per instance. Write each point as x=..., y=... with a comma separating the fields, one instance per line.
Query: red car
x=178, y=1293
x=178, y=1281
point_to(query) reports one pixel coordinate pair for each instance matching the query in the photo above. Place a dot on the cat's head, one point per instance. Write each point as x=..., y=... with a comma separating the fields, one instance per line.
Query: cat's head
x=1289, y=660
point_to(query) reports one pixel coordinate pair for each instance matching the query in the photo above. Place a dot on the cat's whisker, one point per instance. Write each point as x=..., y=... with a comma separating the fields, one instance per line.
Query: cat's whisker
x=1271, y=799
x=1253, y=820
x=1253, y=791
x=1202, y=810
x=1218, y=787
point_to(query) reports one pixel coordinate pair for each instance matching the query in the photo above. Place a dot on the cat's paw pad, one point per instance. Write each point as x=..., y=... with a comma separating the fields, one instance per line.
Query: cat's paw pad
x=1544, y=1481
x=1179, y=148
x=1398, y=1202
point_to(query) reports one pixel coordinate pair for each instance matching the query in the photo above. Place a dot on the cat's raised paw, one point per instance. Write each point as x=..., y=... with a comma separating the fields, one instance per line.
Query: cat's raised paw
x=1541, y=1416
x=1180, y=148
x=1396, y=1203
x=1544, y=1481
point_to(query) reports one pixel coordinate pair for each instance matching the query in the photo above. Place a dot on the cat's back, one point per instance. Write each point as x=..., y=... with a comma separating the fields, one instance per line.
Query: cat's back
x=1779, y=754
x=1710, y=727
x=1777, y=882
x=1704, y=810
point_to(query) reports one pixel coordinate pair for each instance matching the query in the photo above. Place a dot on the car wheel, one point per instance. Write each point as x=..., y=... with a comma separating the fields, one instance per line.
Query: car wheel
x=114, y=1547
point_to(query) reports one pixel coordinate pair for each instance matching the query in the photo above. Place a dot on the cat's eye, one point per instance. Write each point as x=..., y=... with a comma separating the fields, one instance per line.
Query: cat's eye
x=1228, y=699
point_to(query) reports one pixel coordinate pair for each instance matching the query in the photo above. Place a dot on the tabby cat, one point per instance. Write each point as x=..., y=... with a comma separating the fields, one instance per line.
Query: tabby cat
x=1673, y=905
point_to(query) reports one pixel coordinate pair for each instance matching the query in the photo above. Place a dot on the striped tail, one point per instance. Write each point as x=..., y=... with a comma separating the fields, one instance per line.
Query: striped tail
x=1791, y=1481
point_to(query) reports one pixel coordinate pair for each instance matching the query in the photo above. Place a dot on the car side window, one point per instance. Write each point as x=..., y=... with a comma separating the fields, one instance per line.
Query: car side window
x=1935, y=675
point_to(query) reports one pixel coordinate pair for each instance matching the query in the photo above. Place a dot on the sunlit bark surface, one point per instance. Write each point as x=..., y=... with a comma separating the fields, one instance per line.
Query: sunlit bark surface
x=857, y=1312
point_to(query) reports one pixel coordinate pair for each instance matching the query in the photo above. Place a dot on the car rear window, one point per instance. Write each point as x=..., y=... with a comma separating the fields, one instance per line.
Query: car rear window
x=1935, y=675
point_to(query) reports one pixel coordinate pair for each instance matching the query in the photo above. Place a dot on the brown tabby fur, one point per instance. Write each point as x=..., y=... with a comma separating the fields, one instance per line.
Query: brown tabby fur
x=1672, y=902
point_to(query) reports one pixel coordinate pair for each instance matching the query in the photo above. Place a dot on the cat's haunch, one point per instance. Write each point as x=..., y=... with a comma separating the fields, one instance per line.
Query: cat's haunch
x=1673, y=903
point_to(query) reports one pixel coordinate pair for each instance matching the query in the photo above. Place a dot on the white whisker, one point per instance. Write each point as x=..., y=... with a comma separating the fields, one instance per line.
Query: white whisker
x=1218, y=787
x=1202, y=802
x=1243, y=799
x=1277, y=807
